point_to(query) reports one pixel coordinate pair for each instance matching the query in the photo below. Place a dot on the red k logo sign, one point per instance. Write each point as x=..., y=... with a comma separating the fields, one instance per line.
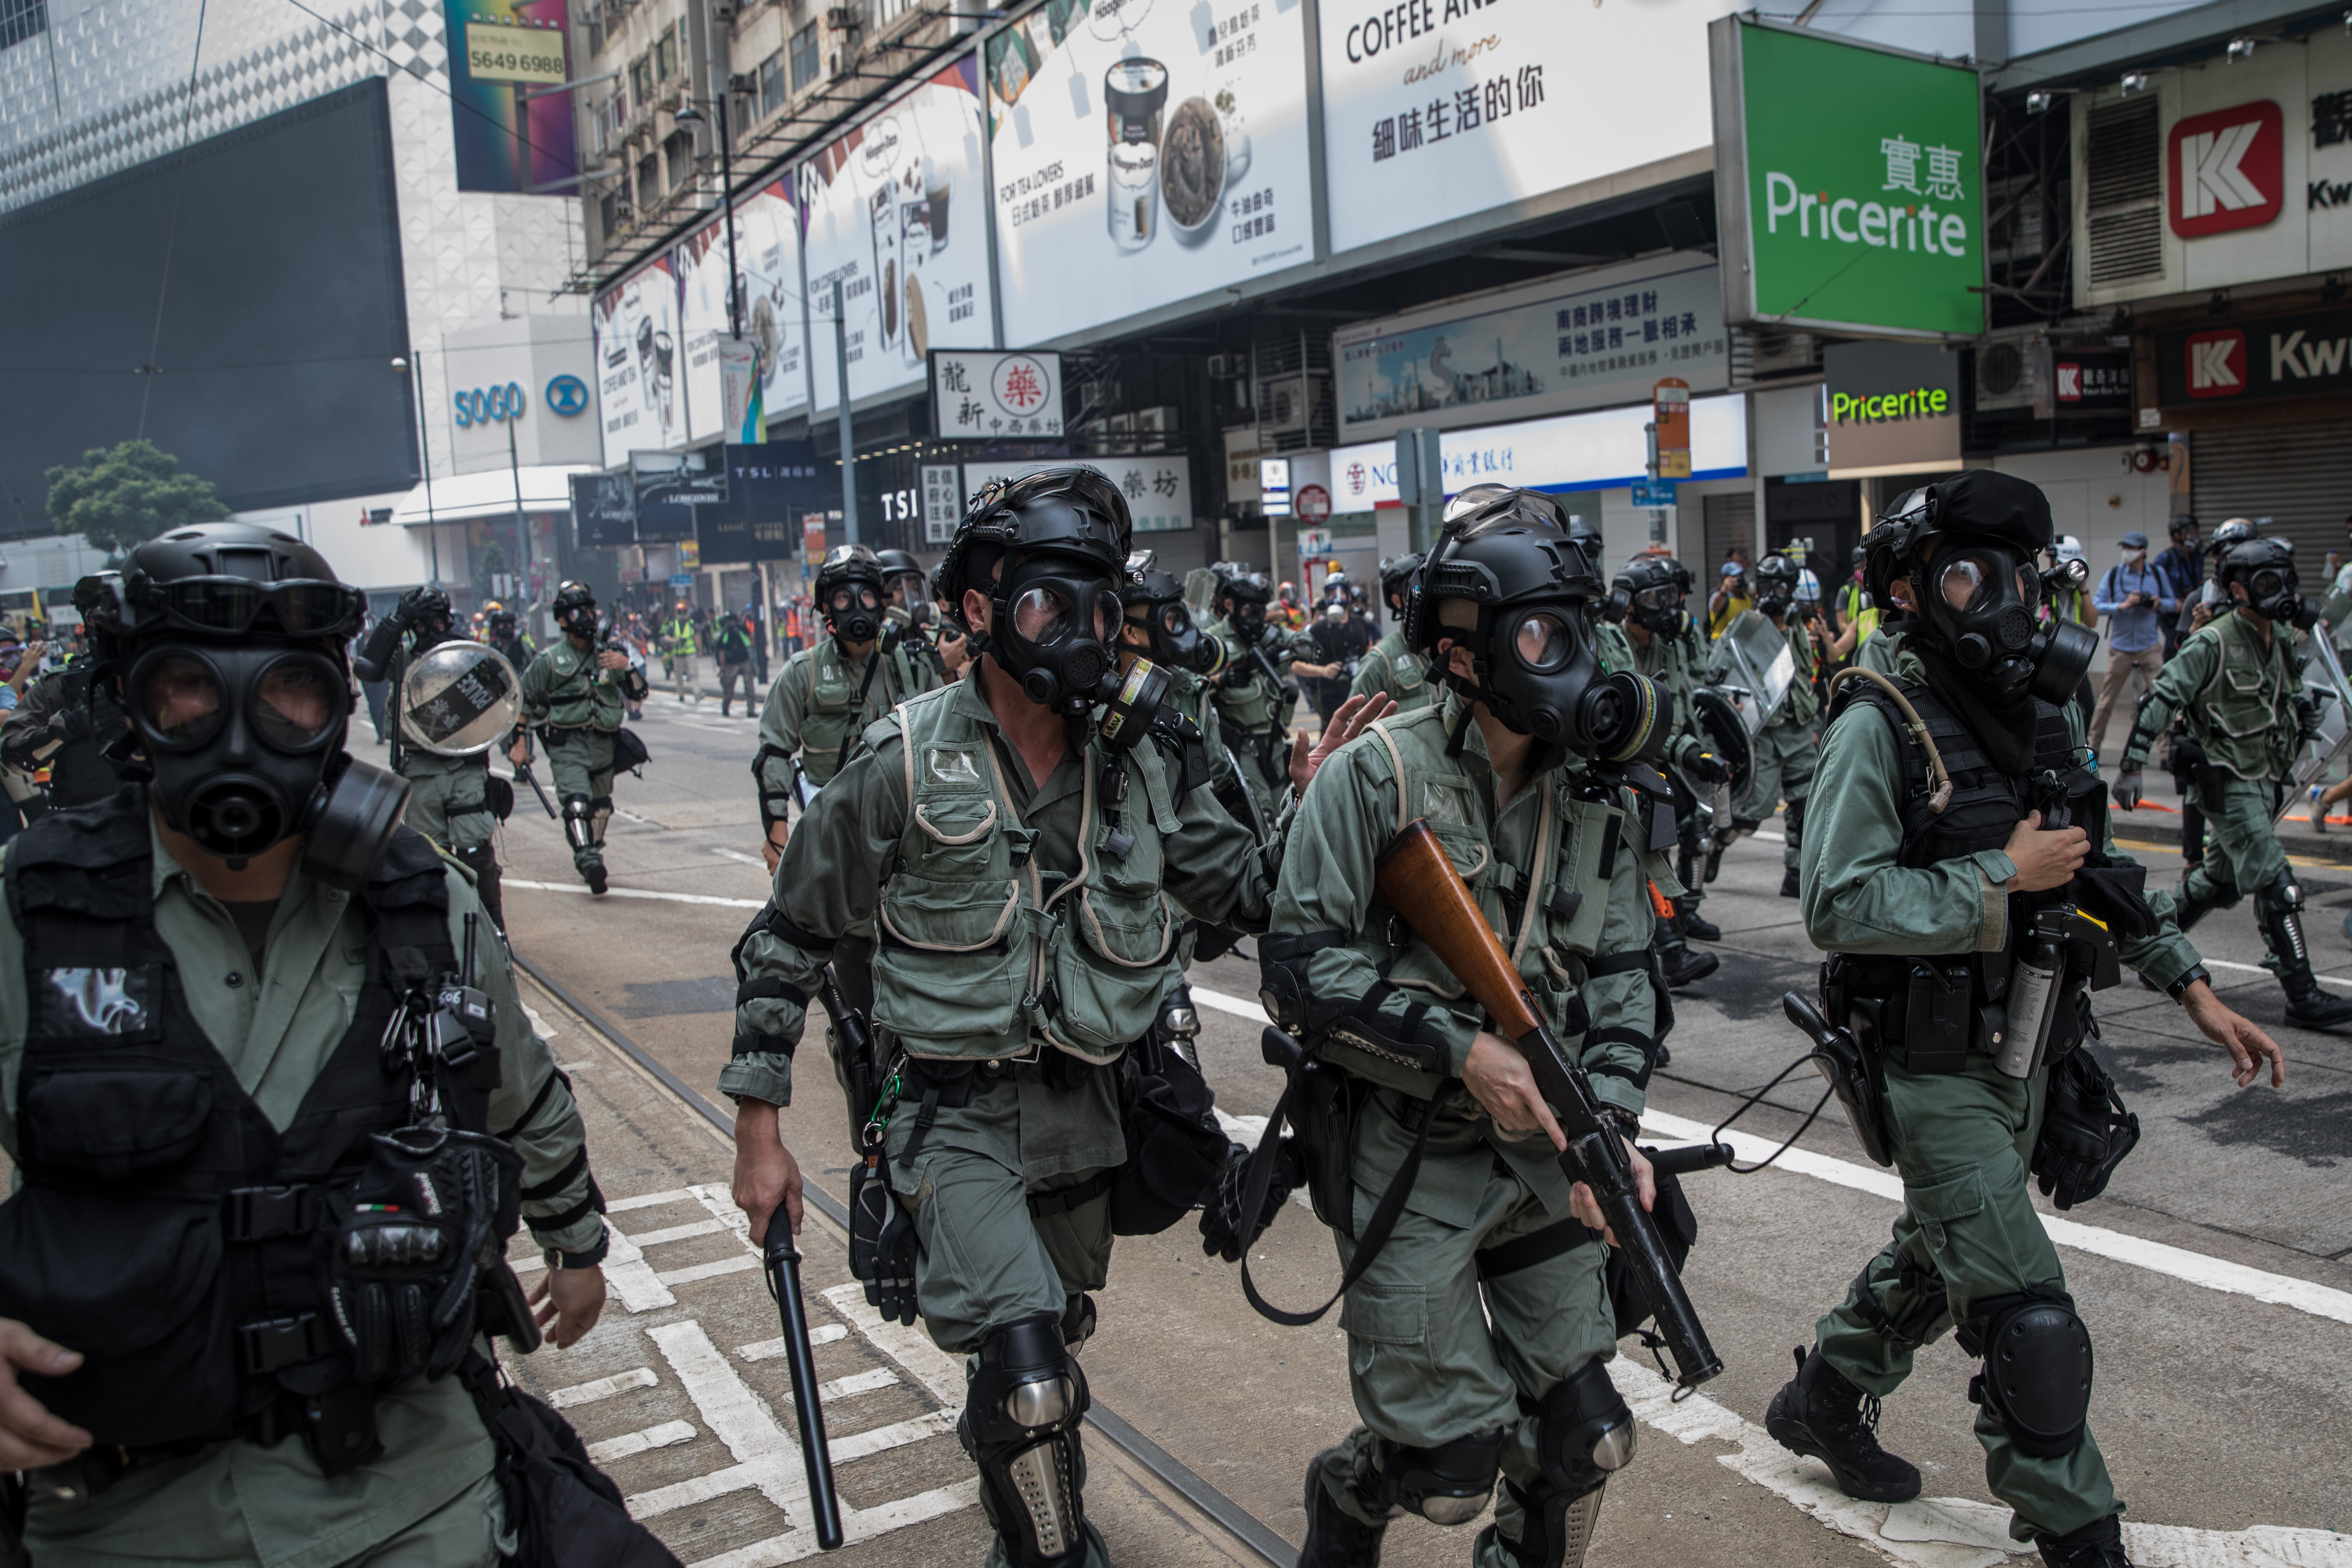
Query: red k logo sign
x=2226, y=170
x=2217, y=363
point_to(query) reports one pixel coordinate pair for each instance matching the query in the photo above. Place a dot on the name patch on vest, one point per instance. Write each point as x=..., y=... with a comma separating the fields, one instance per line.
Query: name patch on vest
x=95, y=1002
x=953, y=766
x=1445, y=804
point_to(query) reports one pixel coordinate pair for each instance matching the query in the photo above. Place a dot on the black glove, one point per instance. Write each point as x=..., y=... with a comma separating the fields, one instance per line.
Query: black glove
x=881, y=1244
x=2086, y=1132
x=1702, y=765
x=404, y=614
x=2128, y=789
x=2306, y=720
x=1221, y=1219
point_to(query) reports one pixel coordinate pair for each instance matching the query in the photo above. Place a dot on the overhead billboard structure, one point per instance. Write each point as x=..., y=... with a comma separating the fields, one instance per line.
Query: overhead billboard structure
x=640, y=391
x=1144, y=154
x=892, y=211
x=1849, y=185
x=768, y=252
x=1439, y=110
x=1158, y=485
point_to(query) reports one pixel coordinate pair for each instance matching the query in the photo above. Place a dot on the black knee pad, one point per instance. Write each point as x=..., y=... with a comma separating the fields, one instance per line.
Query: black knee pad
x=1448, y=1484
x=2283, y=895
x=2037, y=1371
x=1585, y=1433
x=578, y=810
x=1023, y=1407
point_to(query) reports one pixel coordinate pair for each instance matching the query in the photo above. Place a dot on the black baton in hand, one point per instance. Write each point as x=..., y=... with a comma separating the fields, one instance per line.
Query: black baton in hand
x=784, y=1283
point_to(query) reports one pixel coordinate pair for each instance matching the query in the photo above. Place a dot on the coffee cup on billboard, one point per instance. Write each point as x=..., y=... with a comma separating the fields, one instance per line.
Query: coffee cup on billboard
x=1135, y=91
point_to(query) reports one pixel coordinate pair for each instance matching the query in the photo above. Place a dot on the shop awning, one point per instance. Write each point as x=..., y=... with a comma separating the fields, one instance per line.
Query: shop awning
x=468, y=497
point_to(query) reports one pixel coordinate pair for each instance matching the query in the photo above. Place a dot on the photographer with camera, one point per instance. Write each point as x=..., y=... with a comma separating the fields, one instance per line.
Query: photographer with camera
x=2133, y=598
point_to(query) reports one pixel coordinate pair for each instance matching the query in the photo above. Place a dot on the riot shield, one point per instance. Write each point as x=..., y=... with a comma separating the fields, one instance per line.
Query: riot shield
x=2321, y=760
x=1754, y=656
x=458, y=700
x=1721, y=719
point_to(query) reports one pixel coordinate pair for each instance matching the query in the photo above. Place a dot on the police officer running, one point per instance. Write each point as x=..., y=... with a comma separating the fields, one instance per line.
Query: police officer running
x=214, y=1336
x=452, y=800
x=1966, y=890
x=829, y=692
x=730, y=645
x=1785, y=749
x=1252, y=705
x=574, y=693
x=1480, y=1331
x=2238, y=684
x=1022, y=867
x=1391, y=669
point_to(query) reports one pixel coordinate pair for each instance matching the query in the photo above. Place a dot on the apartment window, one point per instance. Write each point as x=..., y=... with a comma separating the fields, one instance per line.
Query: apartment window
x=666, y=55
x=649, y=185
x=608, y=212
x=641, y=80
x=805, y=57
x=22, y=19
x=772, y=84
x=678, y=148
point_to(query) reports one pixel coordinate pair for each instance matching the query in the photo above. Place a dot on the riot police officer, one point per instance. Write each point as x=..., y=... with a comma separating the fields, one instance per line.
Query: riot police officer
x=2238, y=684
x=828, y=692
x=1785, y=748
x=1480, y=1331
x=1392, y=670
x=210, y=1361
x=999, y=804
x=574, y=693
x=680, y=639
x=1251, y=691
x=63, y=723
x=1650, y=597
x=503, y=632
x=1949, y=877
x=452, y=799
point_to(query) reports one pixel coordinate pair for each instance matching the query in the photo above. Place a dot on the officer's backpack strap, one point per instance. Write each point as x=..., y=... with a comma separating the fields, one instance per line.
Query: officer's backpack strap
x=858, y=727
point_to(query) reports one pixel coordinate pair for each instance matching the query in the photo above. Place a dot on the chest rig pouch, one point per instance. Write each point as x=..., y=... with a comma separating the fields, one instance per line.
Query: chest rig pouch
x=193, y=1252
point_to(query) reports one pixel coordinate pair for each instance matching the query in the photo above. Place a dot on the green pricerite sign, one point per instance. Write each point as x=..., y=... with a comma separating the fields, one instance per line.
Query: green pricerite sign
x=1865, y=186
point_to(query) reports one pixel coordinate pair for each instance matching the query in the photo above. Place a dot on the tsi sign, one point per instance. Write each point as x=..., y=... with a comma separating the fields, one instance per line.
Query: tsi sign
x=1848, y=185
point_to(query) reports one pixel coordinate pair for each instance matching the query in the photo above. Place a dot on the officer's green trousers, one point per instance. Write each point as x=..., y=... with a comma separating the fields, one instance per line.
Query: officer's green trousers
x=581, y=761
x=437, y=784
x=1434, y=1351
x=2243, y=852
x=1967, y=1233
x=1785, y=756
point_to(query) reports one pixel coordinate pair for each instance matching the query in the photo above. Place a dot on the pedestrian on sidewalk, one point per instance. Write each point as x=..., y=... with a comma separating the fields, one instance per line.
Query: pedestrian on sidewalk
x=2132, y=596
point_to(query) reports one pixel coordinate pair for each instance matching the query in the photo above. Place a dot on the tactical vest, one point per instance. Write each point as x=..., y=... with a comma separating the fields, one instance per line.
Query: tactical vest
x=835, y=712
x=582, y=692
x=1404, y=675
x=2244, y=715
x=1249, y=708
x=979, y=953
x=166, y=1228
x=1550, y=914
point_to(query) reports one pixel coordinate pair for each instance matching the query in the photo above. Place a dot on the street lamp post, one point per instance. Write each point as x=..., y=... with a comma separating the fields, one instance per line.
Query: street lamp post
x=415, y=363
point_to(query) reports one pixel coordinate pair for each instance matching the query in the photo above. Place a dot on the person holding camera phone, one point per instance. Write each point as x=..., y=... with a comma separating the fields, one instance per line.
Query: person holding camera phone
x=2132, y=596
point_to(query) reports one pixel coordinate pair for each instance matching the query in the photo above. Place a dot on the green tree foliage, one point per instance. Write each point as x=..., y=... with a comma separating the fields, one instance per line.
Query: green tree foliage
x=128, y=494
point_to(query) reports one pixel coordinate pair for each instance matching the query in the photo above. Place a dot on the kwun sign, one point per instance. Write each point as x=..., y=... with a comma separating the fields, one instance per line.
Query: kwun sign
x=2287, y=356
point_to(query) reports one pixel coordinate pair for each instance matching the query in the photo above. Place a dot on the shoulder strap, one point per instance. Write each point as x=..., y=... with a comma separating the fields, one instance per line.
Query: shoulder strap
x=1396, y=758
x=857, y=724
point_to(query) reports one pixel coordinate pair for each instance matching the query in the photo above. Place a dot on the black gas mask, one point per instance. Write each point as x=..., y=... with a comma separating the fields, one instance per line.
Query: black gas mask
x=1247, y=617
x=1979, y=595
x=1054, y=616
x=1541, y=675
x=245, y=745
x=2275, y=593
x=1173, y=638
x=1656, y=608
x=854, y=610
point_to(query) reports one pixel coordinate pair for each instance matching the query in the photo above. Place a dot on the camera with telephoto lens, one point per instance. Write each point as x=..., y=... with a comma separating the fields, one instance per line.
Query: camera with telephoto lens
x=2066, y=575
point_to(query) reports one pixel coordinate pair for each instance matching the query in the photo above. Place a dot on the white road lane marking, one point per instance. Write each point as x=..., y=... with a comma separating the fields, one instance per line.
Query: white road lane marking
x=739, y=855
x=603, y=1388
x=770, y=1350
x=869, y=1382
x=2176, y=1262
x=699, y=1271
x=1944, y=1532
x=662, y=1437
x=910, y=1347
x=635, y=893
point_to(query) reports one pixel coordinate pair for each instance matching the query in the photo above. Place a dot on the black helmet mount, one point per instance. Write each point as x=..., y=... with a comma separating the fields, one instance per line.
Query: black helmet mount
x=1060, y=537
x=850, y=594
x=228, y=642
x=1969, y=547
x=1530, y=593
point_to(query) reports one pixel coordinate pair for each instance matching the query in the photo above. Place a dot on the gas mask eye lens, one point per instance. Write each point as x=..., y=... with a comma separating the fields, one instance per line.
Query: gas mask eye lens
x=1543, y=642
x=1042, y=615
x=1174, y=621
x=1964, y=584
x=294, y=705
x=180, y=702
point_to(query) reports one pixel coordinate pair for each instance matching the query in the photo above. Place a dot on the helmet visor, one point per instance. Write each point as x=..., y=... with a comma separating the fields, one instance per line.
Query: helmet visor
x=230, y=605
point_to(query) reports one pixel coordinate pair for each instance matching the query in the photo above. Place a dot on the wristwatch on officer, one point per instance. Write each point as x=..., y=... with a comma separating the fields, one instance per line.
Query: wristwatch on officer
x=588, y=1258
x=2178, y=989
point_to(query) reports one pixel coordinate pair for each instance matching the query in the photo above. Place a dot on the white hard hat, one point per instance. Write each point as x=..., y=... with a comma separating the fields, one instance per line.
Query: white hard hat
x=2067, y=548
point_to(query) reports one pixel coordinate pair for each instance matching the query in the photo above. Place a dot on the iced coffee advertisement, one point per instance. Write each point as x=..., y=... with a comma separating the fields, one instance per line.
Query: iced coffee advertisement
x=767, y=253
x=640, y=377
x=1146, y=151
x=892, y=215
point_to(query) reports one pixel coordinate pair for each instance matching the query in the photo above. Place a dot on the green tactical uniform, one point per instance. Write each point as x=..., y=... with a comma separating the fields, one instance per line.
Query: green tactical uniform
x=1678, y=664
x=1967, y=1233
x=821, y=700
x=1251, y=719
x=1395, y=671
x=1442, y=1343
x=2238, y=698
x=430, y=1498
x=577, y=705
x=1785, y=749
x=1018, y=962
x=448, y=800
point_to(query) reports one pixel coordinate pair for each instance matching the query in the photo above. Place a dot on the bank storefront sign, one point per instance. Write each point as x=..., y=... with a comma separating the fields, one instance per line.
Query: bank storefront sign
x=2286, y=356
x=1849, y=185
x=1608, y=450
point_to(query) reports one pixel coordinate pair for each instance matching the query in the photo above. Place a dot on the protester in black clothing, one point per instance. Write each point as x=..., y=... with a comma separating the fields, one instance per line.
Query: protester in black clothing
x=2182, y=570
x=1341, y=639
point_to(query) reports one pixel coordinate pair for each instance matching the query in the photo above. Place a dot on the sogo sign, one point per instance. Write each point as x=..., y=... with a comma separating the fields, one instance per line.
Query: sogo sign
x=2228, y=169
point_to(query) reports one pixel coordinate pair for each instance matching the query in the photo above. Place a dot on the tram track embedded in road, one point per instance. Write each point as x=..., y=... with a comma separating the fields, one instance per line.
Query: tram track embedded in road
x=1245, y=1527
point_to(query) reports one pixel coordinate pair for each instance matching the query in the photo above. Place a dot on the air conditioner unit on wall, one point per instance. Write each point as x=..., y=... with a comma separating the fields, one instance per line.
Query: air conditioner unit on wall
x=1286, y=403
x=2006, y=370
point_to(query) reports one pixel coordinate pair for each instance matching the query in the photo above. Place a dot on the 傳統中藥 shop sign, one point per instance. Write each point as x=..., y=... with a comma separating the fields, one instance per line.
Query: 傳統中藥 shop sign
x=1435, y=111
x=981, y=395
x=1600, y=337
x=1849, y=185
x=1893, y=408
x=1158, y=485
x=1607, y=449
x=1144, y=153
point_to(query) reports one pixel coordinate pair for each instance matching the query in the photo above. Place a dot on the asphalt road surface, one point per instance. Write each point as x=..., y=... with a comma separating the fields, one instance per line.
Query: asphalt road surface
x=2215, y=1273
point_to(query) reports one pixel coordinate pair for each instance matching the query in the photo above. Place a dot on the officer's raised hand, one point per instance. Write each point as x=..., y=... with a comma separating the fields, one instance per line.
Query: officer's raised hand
x=1352, y=717
x=2044, y=859
x=766, y=1174
x=30, y=1437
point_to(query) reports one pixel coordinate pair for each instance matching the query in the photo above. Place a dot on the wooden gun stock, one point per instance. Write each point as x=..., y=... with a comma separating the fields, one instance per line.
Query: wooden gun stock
x=1419, y=881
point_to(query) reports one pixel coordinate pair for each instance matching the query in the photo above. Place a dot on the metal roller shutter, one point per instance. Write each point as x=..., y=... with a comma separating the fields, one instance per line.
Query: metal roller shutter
x=2299, y=476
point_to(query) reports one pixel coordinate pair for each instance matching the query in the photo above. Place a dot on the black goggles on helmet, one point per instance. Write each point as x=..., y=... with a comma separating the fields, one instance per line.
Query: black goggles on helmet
x=230, y=606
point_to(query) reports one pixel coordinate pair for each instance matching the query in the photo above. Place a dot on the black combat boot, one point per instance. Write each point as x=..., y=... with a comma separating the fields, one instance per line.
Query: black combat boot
x=1678, y=963
x=1819, y=1412
x=1788, y=883
x=1334, y=1538
x=2099, y=1544
x=2279, y=908
x=1696, y=927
